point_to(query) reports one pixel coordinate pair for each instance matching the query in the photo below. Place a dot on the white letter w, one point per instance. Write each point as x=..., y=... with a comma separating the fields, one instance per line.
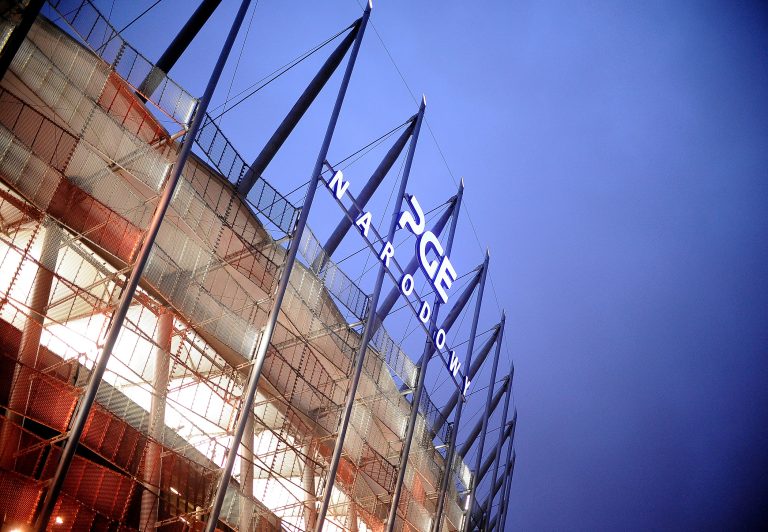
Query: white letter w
x=455, y=364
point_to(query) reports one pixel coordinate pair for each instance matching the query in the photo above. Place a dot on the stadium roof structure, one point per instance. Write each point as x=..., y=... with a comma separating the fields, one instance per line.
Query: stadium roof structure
x=85, y=160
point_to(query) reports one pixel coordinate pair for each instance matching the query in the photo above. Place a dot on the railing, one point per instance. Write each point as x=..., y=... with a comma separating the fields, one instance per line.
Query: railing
x=226, y=159
x=91, y=26
x=338, y=283
x=95, y=30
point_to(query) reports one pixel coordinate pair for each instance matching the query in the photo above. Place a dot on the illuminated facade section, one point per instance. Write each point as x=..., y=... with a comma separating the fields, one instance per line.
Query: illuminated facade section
x=82, y=161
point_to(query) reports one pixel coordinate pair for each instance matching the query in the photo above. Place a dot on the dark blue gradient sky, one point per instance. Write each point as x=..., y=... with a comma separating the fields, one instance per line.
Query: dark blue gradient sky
x=616, y=159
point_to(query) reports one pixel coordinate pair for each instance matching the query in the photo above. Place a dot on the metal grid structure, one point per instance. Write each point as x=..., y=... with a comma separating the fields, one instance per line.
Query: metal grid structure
x=82, y=162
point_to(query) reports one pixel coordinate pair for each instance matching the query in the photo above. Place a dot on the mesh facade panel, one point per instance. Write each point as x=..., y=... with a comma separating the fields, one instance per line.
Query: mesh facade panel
x=81, y=169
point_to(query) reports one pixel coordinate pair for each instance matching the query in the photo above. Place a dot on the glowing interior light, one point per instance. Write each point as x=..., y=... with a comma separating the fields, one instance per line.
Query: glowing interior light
x=59, y=520
x=174, y=490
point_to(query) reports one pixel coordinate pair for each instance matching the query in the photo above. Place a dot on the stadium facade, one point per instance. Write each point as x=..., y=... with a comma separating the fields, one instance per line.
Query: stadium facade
x=252, y=384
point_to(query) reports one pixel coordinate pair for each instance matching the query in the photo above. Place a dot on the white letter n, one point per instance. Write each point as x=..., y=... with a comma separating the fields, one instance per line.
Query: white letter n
x=338, y=185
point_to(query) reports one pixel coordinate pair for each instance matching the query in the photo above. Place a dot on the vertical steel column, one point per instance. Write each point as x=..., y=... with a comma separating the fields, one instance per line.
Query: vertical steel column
x=308, y=483
x=486, y=522
x=150, y=498
x=352, y=516
x=502, y=517
x=18, y=34
x=500, y=442
x=367, y=332
x=23, y=379
x=436, y=523
x=421, y=375
x=486, y=415
x=293, y=248
x=246, y=474
x=497, y=485
x=510, y=433
x=33, y=327
x=125, y=299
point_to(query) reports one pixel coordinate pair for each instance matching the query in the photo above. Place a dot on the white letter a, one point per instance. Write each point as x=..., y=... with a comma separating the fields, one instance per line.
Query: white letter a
x=363, y=223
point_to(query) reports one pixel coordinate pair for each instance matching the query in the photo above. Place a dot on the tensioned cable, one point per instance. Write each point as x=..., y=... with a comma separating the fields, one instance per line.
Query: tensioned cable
x=377, y=240
x=473, y=392
x=240, y=55
x=373, y=144
x=370, y=146
x=479, y=335
x=397, y=245
x=464, y=313
x=487, y=433
x=304, y=184
x=273, y=76
x=450, y=172
x=466, y=420
x=119, y=32
x=109, y=16
x=150, y=8
x=383, y=218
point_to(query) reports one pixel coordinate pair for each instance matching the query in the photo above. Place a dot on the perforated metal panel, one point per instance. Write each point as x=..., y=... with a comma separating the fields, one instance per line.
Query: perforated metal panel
x=86, y=168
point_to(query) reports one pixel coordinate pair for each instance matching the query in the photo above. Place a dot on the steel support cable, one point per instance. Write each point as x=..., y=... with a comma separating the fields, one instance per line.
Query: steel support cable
x=382, y=220
x=370, y=146
x=397, y=246
x=240, y=55
x=109, y=16
x=466, y=421
x=375, y=242
x=120, y=31
x=447, y=166
x=136, y=19
x=443, y=381
x=407, y=333
x=473, y=392
x=479, y=335
x=373, y=144
x=424, y=296
x=64, y=15
x=272, y=76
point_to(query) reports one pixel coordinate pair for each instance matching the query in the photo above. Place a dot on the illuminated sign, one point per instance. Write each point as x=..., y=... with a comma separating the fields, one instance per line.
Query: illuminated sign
x=430, y=252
